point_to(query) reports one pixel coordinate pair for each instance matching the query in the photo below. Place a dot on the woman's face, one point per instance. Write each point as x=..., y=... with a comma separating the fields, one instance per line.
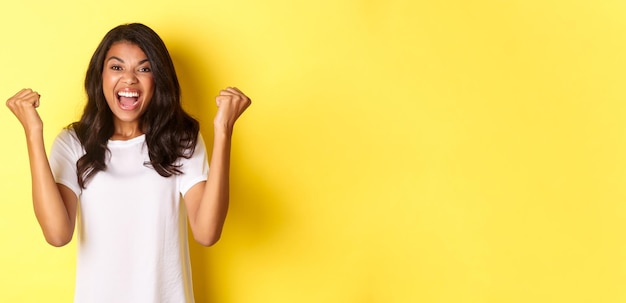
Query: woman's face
x=127, y=82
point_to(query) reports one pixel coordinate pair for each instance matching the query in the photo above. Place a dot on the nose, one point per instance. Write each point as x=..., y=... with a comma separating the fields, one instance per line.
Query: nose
x=129, y=77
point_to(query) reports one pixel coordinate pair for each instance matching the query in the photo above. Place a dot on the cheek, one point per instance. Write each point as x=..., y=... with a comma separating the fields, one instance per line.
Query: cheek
x=108, y=87
x=149, y=86
x=107, y=80
x=150, y=81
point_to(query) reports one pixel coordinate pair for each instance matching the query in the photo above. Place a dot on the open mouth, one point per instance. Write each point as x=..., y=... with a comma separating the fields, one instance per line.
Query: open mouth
x=128, y=100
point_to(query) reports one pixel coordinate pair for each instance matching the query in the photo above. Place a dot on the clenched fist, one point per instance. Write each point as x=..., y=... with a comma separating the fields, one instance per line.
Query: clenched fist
x=231, y=103
x=23, y=105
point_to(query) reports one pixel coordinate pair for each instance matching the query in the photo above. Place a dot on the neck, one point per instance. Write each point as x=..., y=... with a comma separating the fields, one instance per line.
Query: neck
x=126, y=131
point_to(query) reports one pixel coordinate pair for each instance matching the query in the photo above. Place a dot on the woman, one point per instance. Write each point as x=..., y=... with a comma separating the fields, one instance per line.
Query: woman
x=124, y=166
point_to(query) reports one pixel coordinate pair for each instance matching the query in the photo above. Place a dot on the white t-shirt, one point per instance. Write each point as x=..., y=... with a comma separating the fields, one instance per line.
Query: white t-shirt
x=132, y=226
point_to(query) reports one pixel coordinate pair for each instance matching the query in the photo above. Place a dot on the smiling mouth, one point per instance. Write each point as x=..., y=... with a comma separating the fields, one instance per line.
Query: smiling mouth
x=128, y=100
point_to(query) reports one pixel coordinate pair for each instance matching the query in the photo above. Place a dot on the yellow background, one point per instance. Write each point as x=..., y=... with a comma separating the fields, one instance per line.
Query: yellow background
x=395, y=151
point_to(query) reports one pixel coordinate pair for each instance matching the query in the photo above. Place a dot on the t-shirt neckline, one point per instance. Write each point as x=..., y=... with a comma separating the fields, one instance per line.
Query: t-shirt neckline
x=139, y=139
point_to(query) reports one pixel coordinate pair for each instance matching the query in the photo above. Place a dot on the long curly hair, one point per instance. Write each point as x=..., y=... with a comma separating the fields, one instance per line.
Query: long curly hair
x=170, y=132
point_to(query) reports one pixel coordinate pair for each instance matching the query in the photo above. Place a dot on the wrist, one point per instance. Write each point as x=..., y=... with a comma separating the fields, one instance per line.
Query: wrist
x=222, y=130
x=33, y=132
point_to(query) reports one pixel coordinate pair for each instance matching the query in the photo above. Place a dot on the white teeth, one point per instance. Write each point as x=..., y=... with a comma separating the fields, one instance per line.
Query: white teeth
x=128, y=94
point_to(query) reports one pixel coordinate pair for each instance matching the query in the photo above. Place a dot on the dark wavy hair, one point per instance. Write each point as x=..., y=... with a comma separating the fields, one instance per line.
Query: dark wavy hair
x=170, y=132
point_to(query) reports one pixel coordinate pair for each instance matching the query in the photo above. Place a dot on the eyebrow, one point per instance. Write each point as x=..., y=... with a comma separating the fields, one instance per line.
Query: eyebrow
x=120, y=60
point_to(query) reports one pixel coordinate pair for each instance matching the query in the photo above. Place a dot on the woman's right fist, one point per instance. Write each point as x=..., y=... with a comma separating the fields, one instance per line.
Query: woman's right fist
x=23, y=105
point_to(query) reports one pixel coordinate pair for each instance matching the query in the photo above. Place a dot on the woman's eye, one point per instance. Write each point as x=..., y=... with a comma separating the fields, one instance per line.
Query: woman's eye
x=116, y=67
x=145, y=69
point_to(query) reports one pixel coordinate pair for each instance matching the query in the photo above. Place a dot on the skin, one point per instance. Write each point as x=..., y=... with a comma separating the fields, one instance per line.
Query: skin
x=126, y=68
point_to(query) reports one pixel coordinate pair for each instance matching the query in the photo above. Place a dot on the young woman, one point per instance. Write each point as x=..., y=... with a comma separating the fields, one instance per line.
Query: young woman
x=122, y=169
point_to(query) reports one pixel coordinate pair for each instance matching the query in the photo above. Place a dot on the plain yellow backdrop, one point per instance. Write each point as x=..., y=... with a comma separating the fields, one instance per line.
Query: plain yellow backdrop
x=396, y=151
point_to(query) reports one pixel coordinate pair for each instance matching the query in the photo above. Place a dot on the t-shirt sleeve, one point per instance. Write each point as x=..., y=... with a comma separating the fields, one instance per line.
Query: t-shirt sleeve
x=64, y=153
x=196, y=168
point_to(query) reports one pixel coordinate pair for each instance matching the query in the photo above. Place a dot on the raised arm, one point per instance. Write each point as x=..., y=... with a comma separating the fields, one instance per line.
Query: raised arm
x=54, y=204
x=207, y=202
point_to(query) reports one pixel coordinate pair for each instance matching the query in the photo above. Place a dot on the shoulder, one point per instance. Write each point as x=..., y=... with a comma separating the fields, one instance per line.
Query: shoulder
x=195, y=152
x=200, y=139
x=67, y=134
x=193, y=145
x=200, y=145
x=67, y=140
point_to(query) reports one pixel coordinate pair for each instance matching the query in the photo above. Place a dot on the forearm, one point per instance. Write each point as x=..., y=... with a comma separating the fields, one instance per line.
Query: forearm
x=50, y=204
x=207, y=202
x=50, y=210
x=211, y=213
